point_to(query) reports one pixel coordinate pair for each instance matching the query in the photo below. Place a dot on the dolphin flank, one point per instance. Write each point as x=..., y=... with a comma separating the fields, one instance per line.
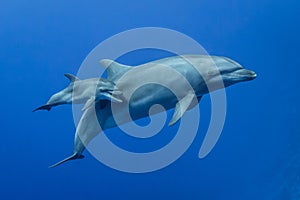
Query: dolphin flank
x=83, y=91
x=190, y=76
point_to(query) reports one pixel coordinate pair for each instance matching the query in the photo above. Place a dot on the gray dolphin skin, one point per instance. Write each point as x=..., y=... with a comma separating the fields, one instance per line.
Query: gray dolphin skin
x=87, y=91
x=203, y=74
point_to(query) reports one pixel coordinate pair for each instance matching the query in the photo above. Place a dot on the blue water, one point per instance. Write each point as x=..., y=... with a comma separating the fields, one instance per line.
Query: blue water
x=258, y=154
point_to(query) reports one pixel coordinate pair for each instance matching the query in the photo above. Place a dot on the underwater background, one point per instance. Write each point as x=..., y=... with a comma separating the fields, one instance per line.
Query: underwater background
x=258, y=153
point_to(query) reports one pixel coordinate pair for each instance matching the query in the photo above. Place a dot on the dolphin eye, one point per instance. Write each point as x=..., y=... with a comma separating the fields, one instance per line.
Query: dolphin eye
x=212, y=73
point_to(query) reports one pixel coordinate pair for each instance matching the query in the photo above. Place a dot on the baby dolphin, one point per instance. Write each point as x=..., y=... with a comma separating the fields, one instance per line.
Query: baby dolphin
x=203, y=73
x=83, y=91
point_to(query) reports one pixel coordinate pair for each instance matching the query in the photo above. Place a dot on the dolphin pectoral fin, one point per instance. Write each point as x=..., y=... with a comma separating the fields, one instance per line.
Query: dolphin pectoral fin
x=194, y=103
x=88, y=127
x=72, y=157
x=89, y=103
x=44, y=107
x=181, y=107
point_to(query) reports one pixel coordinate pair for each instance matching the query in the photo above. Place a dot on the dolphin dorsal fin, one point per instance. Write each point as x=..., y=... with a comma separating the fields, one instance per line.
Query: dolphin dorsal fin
x=114, y=70
x=71, y=77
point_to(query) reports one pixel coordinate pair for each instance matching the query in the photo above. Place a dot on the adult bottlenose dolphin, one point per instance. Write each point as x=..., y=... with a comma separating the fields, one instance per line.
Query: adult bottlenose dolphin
x=159, y=80
x=87, y=91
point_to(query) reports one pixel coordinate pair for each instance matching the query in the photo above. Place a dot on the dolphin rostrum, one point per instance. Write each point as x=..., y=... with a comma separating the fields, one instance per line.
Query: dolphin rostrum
x=83, y=91
x=203, y=73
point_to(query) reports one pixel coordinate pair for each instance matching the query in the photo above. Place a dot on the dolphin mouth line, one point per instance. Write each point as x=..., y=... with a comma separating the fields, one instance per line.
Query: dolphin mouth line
x=115, y=91
x=244, y=74
x=237, y=75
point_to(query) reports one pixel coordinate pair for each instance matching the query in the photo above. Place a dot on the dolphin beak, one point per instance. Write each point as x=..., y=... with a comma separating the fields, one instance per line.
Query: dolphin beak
x=239, y=75
x=112, y=98
x=113, y=95
x=245, y=73
x=116, y=92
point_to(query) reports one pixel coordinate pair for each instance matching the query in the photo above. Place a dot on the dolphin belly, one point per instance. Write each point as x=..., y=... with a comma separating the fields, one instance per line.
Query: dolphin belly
x=129, y=93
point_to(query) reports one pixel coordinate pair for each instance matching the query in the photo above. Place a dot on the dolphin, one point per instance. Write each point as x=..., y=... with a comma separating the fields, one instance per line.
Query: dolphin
x=83, y=91
x=203, y=74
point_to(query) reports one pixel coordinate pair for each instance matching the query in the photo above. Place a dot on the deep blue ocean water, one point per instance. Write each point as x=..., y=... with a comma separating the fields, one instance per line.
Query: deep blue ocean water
x=258, y=154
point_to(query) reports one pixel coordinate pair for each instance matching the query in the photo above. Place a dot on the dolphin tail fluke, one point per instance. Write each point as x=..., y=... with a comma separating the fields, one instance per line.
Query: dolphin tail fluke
x=44, y=107
x=72, y=157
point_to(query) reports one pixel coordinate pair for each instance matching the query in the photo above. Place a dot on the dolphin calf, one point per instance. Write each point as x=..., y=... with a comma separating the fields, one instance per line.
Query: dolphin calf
x=188, y=76
x=83, y=91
